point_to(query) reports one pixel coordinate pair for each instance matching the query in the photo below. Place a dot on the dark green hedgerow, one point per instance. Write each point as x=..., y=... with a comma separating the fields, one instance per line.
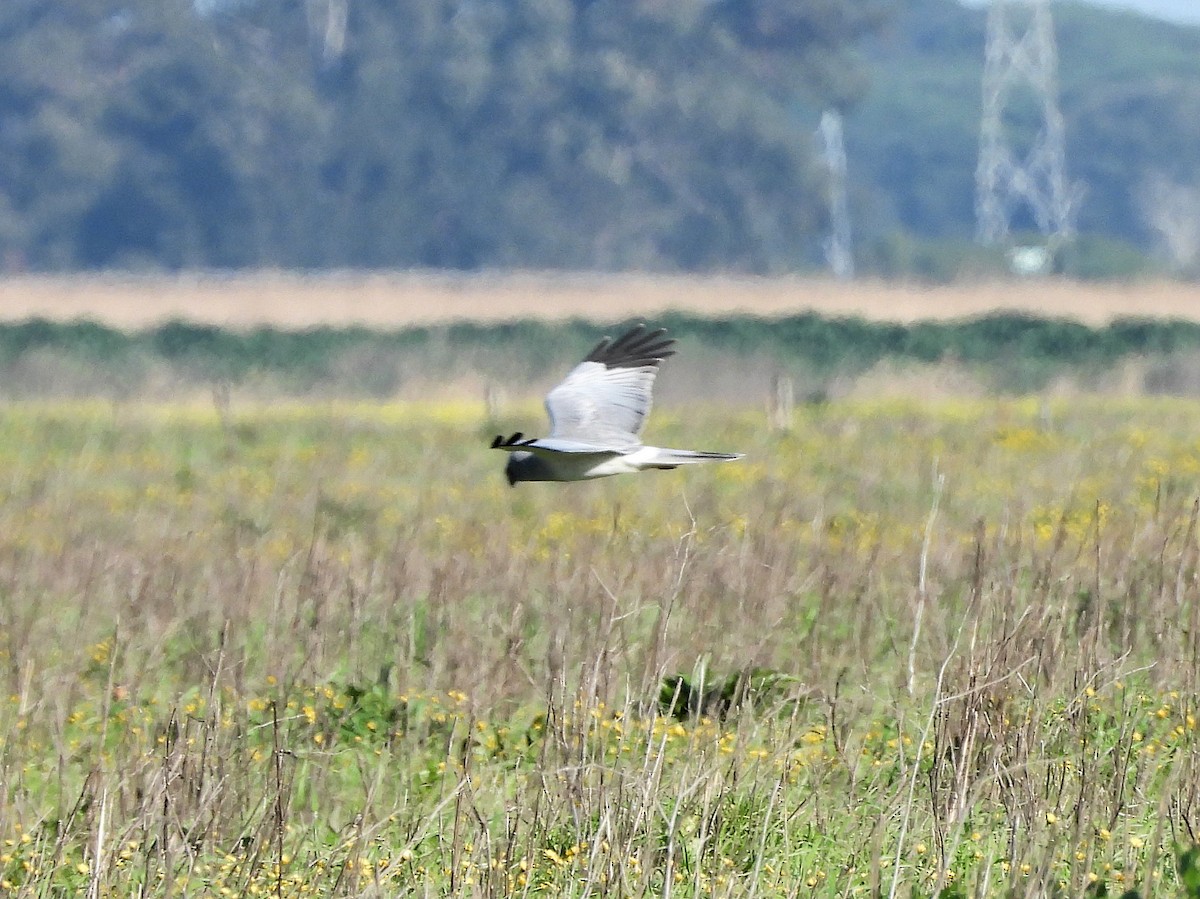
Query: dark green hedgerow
x=1010, y=352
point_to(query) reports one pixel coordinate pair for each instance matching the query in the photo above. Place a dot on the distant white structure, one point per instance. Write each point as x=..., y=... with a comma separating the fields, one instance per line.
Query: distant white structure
x=838, y=252
x=327, y=21
x=1027, y=261
x=1021, y=66
x=1172, y=210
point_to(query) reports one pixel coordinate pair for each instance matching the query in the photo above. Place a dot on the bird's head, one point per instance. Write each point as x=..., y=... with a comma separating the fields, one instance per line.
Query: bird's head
x=524, y=466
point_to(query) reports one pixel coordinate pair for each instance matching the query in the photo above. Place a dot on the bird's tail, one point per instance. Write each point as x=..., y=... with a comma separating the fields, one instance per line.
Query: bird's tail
x=671, y=458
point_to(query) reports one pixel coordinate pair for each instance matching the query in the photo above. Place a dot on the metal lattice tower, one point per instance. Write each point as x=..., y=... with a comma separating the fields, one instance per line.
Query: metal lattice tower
x=1021, y=65
x=838, y=251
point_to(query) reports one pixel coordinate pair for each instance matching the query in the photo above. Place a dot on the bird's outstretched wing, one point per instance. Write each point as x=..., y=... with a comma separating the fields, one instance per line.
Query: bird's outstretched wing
x=518, y=442
x=605, y=399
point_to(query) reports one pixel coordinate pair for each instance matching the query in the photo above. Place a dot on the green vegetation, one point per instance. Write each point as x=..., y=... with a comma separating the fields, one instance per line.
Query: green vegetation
x=548, y=133
x=1004, y=353
x=565, y=134
x=324, y=650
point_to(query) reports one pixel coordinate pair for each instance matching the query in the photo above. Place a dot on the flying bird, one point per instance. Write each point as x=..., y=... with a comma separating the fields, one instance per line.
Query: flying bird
x=596, y=417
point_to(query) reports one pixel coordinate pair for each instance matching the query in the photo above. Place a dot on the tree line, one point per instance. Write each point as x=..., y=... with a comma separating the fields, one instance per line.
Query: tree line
x=562, y=134
x=599, y=134
x=1007, y=353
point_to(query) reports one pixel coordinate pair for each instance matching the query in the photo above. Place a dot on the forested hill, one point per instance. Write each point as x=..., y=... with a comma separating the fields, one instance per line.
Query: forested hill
x=446, y=133
x=1130, y=94
x=578, y=134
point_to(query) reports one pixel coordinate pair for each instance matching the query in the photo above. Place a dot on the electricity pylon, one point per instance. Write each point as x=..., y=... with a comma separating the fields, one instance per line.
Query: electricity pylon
x=838, y=252
x=1021, y=76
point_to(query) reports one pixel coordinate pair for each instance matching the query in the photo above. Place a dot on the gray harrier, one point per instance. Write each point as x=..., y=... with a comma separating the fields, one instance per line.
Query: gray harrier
x=596, y=415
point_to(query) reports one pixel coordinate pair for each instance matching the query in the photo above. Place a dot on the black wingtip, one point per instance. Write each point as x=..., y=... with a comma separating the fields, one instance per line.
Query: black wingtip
x=517, y=439
x=635, y=348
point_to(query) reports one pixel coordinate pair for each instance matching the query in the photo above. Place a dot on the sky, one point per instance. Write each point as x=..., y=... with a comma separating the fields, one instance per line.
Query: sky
x=1175, y=10
x=1187, y=11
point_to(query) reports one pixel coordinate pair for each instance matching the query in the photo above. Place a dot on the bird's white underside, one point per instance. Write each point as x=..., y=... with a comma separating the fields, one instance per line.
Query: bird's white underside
x=638, y=460
x=585, y=466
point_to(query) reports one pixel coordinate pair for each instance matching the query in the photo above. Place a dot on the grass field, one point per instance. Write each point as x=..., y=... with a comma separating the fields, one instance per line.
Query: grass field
x=400, y=299
x=324, y=650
